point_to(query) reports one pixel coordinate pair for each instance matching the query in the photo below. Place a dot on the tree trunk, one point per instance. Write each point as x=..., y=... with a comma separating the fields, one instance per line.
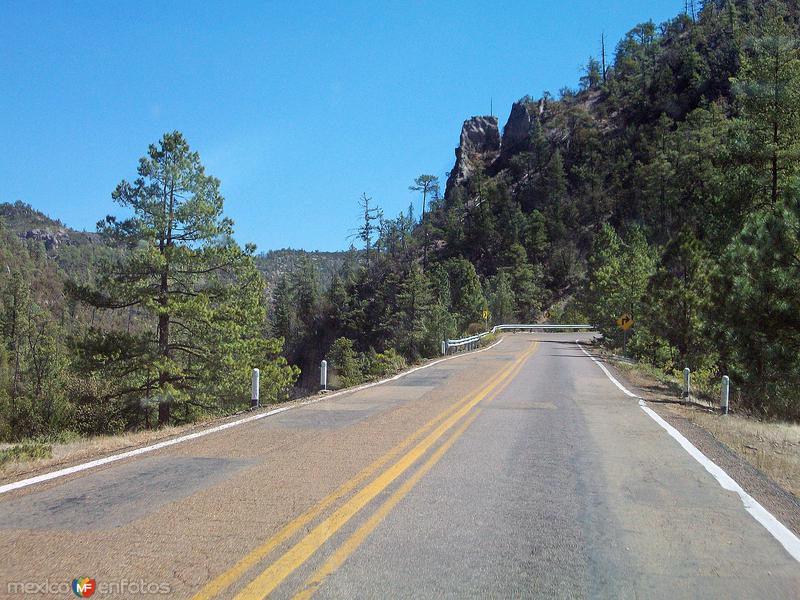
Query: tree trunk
x=775, y=163
x=163, y=350
x=163, y=319
x=424, y=232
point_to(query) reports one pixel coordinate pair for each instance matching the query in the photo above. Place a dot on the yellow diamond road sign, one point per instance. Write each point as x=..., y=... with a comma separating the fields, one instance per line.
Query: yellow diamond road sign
x=485, y=314
x=625, y=322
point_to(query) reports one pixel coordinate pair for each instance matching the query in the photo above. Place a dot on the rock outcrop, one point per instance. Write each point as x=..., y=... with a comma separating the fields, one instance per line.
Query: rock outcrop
x=479, y=146
x=517, y=132
x=52, y=239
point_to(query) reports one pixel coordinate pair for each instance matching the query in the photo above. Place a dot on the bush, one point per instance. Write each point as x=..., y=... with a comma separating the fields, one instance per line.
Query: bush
x=355, y=368
x=343, y=360
x=25, y=450
x=383, y=364
x=94, y=414
x=569, y=312
x=476, y=328
x=22, y=420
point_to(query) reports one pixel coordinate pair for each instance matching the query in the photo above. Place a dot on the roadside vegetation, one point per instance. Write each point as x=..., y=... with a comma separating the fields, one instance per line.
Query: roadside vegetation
x=160, y=326
x=770, y=445
x=666, y=187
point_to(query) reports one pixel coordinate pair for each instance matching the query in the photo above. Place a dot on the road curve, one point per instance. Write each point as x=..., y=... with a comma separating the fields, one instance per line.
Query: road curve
x=517, y=472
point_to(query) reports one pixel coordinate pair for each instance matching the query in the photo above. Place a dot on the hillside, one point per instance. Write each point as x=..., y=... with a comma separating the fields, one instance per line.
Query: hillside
x=664, y=187
x=28, y=223
x=275, y=264
x=75, y=251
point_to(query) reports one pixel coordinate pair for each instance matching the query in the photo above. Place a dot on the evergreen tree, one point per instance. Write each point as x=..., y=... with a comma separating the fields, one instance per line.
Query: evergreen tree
x=468, y=300
x=184, y=273
x=283, y=309
x=768, y=89
x=501, y=299
x=680, y=294
x=413, y=307
x=370, y=214
x=592, y=76
x=618, y=277
x=525, y=283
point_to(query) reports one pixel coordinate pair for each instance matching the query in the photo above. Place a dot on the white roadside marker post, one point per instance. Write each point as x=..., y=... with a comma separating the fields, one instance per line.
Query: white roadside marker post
x=444, y=348
x=254, y=385
x=726, y=389
x=323, y=375
x=687, y=383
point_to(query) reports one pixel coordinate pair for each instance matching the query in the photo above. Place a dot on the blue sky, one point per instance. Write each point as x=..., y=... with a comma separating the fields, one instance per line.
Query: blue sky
x=297, y=107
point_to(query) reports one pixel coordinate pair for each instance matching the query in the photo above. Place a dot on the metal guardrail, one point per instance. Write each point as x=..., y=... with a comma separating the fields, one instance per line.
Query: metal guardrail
x=471, y=342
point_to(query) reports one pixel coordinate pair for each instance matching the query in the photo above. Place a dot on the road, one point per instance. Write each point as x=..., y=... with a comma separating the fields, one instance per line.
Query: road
x=520, y=471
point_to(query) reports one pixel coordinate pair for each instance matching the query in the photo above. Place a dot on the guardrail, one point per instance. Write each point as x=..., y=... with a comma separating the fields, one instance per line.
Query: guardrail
x=472, y=342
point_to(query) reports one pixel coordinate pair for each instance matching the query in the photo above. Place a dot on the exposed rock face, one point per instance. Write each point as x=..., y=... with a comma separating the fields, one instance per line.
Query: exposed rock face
x=517, y=132
x=479, y=146
x=51, y=239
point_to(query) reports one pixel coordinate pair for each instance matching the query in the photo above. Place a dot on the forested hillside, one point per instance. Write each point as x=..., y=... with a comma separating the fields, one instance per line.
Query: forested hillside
x=276, y=264
x=665, y=187
x=157, y=318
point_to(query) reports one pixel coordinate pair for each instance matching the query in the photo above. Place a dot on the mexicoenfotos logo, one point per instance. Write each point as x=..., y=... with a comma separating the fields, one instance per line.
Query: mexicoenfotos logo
x=84, y=586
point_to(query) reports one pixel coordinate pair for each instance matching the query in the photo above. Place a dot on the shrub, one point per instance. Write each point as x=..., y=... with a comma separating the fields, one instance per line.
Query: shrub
x=386, y=363
x=343, y=359
x=25, y=450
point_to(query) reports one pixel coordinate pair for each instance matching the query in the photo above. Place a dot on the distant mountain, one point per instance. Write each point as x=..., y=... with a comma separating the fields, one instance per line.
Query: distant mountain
x=274, y=264
x=30, y=224
x=76, y=252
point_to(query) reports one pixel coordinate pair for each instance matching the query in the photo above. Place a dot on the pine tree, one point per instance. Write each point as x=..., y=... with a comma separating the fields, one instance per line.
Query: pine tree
x=681, y=293
x=768, y=88
x=525, y=283
x=370, y=214
x=592, y=75
x=413, y=307
x=468, y=300
x=501, y=299
x=283, y=311
x=428, y=186
x=617, y=279
x=185, y=275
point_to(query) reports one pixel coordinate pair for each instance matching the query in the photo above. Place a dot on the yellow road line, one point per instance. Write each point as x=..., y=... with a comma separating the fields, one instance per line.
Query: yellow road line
x=227, y=578
x=338, y=558
x=273, y=575
x=354, y=541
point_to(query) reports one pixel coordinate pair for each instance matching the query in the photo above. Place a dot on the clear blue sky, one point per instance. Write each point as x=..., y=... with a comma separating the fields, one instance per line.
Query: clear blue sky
x=296, y=107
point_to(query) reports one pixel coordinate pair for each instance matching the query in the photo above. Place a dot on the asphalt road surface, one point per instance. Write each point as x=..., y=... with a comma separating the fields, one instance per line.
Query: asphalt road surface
x=517, y=472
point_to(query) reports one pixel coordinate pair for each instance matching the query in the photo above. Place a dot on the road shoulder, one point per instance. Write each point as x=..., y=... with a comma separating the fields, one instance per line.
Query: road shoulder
x=776, y=498
x=84, y=450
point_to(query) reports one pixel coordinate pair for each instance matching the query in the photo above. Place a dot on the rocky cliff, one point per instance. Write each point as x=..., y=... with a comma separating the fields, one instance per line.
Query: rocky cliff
x=518, y=129
x=481, y=146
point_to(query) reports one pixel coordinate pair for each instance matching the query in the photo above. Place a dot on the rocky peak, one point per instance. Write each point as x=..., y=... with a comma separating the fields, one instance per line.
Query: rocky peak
x=479, y=145
x=517, y=132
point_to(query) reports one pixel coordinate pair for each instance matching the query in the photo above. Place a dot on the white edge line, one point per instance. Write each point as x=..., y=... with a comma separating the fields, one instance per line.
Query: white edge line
x=15, y=485
x=777, y=529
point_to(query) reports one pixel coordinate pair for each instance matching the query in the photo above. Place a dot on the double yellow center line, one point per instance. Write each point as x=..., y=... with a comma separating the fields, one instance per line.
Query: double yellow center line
x=271, y=577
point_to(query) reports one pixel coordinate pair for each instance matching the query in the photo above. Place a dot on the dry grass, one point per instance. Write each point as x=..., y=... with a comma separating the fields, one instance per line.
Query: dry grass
x=88, y=448
x=773, y=447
